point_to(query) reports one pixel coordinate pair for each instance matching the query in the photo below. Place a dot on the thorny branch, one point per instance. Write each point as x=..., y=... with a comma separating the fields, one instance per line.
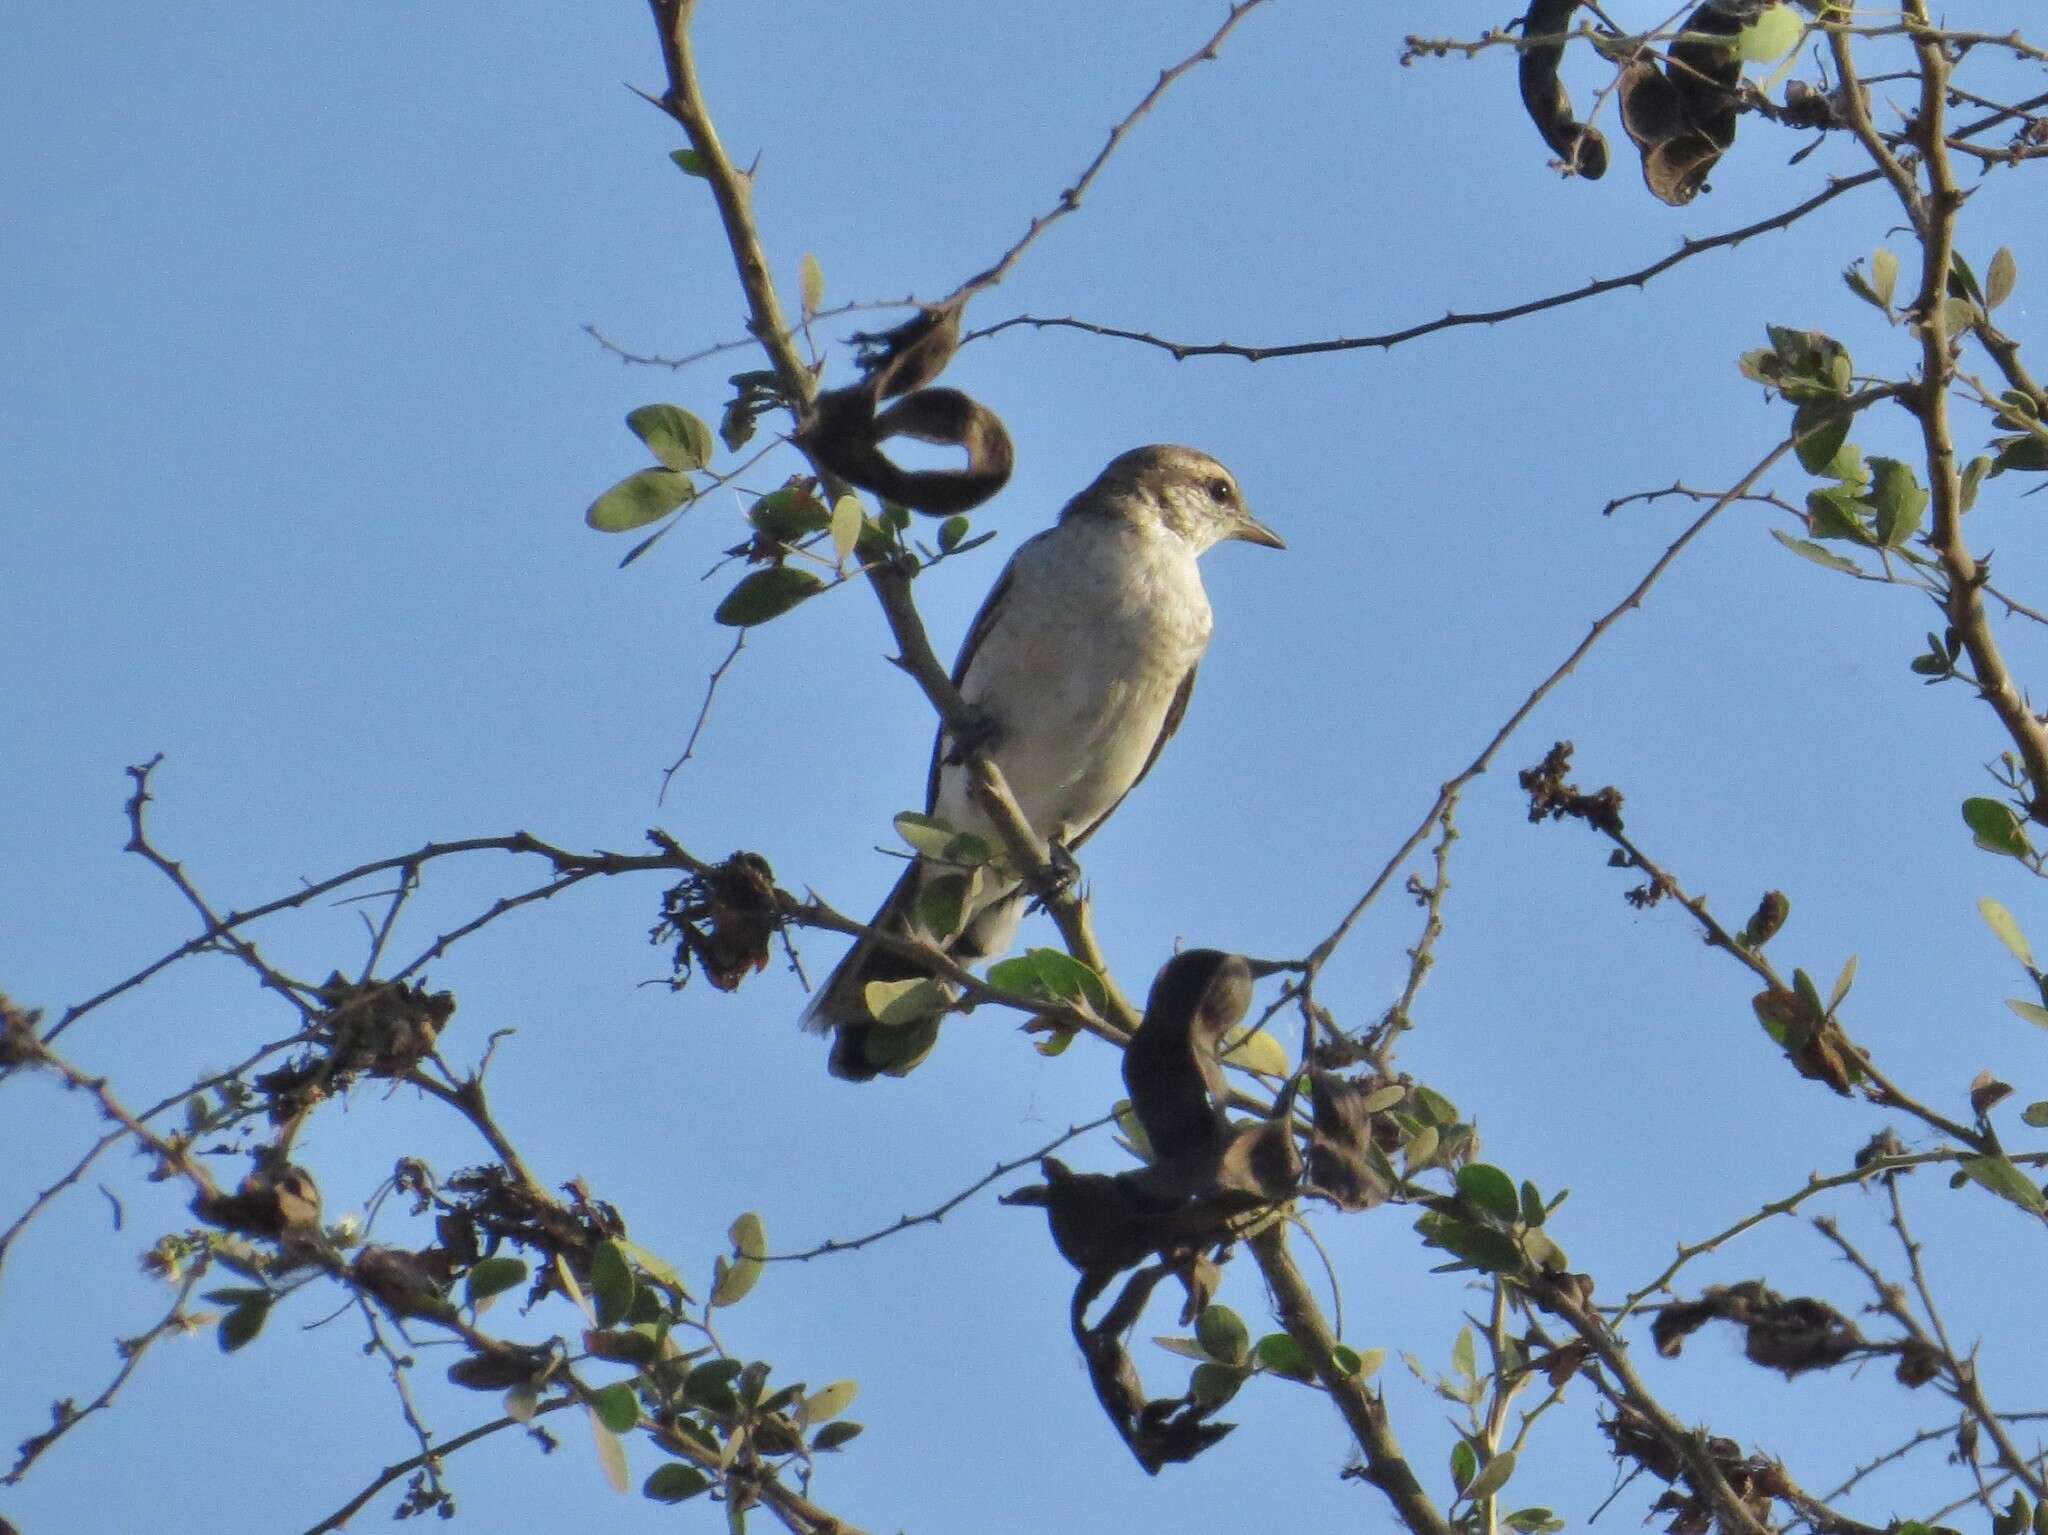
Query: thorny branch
x=67, y=1415
x=1447, y=795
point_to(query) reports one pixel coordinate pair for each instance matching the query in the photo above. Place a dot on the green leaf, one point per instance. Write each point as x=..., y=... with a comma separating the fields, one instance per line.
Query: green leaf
x=789, y=513
x=611, y=1454
x=710, y=1385
x=1772, y=35
x=811, y=282
x=748, y=1236
x=2033, y=1012
x=1223, y=1334
x=2002, y=923
x=1259, y=1052
x=1283, y=1356
x=1858, y=284
x=2001, y=277
x=1900, y=501
x=1465, y=1354
x=766, y=594
x=1464, y=1465
x=1421, y=1149
x=937, y=840
x=1815, y=553
x=1494, y=1475
x=2006, y=1181
x=493, y=1276
x=1809, y=996
x=1384, y=1098
x=656, y=1267
x=943, y=902
x=1842, y=983
x=1479, y=1246
x=1056, y=1042
x=638, y=499
x=1884, y=274
x=674, y=1483
x=1997, y=827
x=828, y=1401
x=951, y=531
x=2036, y=1114
x=900, y=1047
x=2027, y=453
x=690, y=162
x=617, y=1408
x=1214, y=1384
x=1063, y=976
x=1360, y=1366
x=847, y=520
x=235, y=1295
x=893, y=1004
x=1820, y=428
x=1973, y=477
x=611, y=1284
x=240, y=1326
x=1490, y=1189
x=1962, y=282
x=1532, y=1205
x=833, y=1435
x=732, y=1282
x=1543, y=1251
x=1838, y=512
x=673, y=435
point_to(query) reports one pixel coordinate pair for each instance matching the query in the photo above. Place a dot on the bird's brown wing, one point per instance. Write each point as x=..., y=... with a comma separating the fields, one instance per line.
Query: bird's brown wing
x=1167, y=726
x=984, y=621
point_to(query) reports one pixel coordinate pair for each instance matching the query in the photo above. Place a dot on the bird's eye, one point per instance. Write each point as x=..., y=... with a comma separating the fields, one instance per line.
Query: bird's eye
x=1220, y=490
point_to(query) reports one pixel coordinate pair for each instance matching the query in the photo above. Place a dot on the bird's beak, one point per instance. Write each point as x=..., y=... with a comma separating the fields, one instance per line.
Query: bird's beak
x=1252, y=531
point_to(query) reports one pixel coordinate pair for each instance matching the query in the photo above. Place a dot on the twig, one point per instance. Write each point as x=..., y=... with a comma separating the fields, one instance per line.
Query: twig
x=718, y=672
x=1070, y=199
x=1181, y=351
x=1447, y=795
x=1386, y=1466
x=938, y=1213
x=392, y=1473
x=66, y=1416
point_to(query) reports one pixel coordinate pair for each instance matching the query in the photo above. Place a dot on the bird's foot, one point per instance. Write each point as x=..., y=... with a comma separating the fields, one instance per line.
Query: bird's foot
x=1062, y=870
x=976, y=731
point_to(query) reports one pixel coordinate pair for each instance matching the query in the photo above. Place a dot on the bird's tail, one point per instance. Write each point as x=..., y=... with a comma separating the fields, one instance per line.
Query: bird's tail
x=861, y=1048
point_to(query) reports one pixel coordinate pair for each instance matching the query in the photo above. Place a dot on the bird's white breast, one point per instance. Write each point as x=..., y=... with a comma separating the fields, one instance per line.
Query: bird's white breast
x=1100, y=624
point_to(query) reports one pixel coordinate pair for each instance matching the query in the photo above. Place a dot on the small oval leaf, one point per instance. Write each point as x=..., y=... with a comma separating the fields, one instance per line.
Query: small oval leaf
x=240, y=1326
x=617, y=1408
x=674, y=1482
x=828, y=1401
x=493, y=1276
x=765, y=594
x=1490, y=1189
x=679, y=439
x=1259, y=1052
x=611, y=1283
x=2003, y=924
x=1223, y=1335
x=611, y=1455
x=639, y=499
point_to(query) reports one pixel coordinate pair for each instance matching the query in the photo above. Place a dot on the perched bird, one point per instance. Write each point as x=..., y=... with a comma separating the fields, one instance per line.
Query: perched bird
x=1081, y=663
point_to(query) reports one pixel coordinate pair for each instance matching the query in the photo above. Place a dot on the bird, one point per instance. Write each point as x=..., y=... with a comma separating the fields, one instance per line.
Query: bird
x=1079, y=665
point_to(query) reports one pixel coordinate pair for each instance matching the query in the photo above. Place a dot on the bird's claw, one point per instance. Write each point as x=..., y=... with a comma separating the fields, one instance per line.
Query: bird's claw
x=1064, y=873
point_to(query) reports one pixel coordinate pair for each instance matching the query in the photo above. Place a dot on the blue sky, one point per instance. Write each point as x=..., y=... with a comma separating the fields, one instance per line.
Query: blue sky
x=297, y=434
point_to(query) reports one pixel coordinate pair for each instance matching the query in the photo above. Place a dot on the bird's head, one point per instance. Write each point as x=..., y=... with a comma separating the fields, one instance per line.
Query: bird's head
x=1180, y=491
